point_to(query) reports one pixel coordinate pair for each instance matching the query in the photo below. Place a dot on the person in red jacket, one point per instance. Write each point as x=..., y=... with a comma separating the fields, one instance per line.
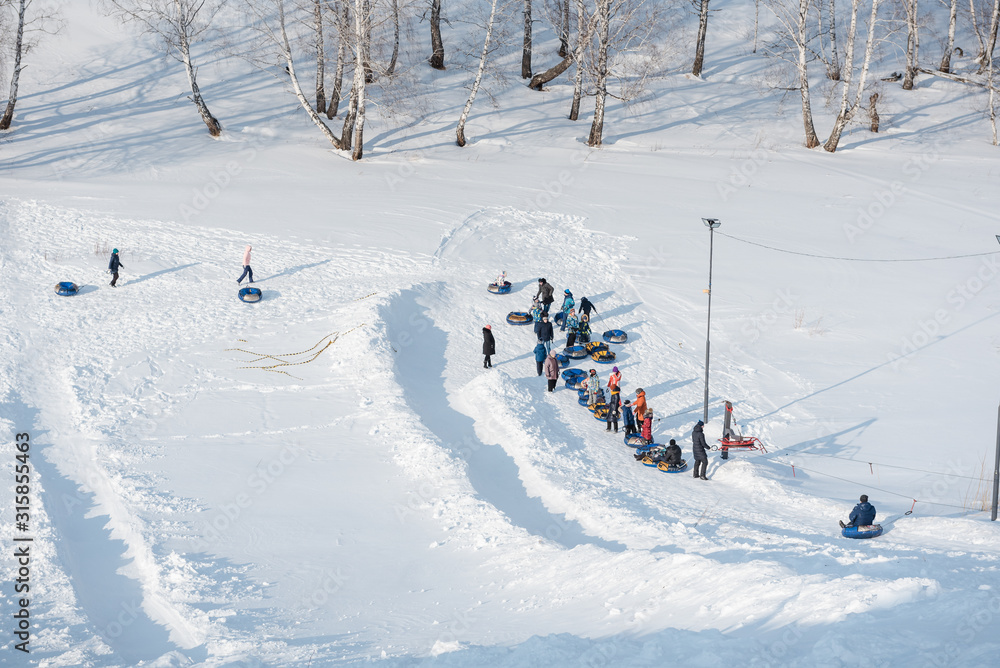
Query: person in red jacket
x=647, y=426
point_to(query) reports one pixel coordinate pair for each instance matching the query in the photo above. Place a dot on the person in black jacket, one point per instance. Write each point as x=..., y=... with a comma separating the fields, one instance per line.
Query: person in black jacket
x=545, y=292
x=489, y=347
x=862, y=515
x=545, y=332
x=586, y=307
x=699, y=448
x=113, y=266
x=673, y=454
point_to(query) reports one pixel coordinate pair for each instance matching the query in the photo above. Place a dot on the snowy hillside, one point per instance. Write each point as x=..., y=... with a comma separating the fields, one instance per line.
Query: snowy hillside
x=330, y=477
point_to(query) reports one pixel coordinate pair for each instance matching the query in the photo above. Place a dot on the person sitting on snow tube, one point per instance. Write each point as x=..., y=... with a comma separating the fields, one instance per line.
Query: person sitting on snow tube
x=673, y=454
x=862, y=515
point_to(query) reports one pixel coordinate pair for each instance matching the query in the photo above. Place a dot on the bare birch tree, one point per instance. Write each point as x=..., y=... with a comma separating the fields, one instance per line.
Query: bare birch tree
x=437, y=44
x=699, y=47
x=601, y=72
x=320, y=57
x=583, y=28
x=391, y=68
x=180, y=24
x=949, y=48
x=847, y=107
x=910, y=8
x=526, y=45
x=792, y=43
x=460, y=130
x=342, y=15
x=8, y=114
x=986, y=58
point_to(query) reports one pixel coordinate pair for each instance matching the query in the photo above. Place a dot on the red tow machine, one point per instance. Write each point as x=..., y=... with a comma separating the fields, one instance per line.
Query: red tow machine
x=733, y=440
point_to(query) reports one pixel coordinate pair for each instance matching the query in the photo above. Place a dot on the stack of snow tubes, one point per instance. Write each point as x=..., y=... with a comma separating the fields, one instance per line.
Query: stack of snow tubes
x=575, y=352
x=603, y=356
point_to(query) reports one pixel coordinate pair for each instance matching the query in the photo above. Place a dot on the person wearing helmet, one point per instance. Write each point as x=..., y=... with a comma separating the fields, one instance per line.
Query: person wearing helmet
x=113, y=265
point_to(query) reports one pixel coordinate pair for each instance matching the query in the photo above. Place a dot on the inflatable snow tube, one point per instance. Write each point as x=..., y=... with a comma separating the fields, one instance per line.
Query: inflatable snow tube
x=595, y=346
x=499, y=289
x=519, y=318
x=573, y=373
x=66, y=288
x=603, y=357
x=866, y=531
x=583, y=400
x=673, y=469
x=634, y=441
x=250, y=295
x=593, y=408
x=558, y=318
x=575, y=383
x=562, y=359
x=601, y=413
x=575, y=352
x=615, y=336
x=648, y=461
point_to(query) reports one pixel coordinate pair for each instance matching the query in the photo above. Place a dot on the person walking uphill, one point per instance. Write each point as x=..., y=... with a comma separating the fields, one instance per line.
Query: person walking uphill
x=862, y=515
x=551, y=369
x=489, y=347
x=113, y=265
x=540, y=355
x=700, y=449
x=586, y=307
x=545, y=292
x=246, y=267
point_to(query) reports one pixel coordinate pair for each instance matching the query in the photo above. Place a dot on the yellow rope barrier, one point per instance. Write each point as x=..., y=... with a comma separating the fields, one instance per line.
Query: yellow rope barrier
x=274, y=368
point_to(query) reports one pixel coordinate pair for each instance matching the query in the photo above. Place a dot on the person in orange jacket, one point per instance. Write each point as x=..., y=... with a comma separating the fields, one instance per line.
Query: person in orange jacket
x=640, y=404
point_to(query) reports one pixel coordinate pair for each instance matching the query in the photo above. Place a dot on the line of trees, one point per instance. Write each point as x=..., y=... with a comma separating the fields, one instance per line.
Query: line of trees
x=609, y=48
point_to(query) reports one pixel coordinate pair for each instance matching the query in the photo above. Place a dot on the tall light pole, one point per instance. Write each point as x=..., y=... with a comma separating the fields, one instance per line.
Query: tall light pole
x=711, y=224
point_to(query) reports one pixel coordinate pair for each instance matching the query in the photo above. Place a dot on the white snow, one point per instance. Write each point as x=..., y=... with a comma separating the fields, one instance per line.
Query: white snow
x=387, y=500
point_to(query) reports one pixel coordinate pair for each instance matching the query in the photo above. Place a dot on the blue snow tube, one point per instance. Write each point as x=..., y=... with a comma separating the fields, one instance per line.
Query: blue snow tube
x=867, y=531
x=562, y=359
x=573, y=373
x=615, y=336
x=575, y=352
x=595, y=346
x=251, y=295
x=499, y=289
x=575, y=383
x=634, y=441
x=558, y=318
x=66, y=288
x=519, y=318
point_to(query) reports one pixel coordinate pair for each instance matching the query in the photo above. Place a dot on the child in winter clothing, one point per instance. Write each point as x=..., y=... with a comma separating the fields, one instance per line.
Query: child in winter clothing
x=113, y=266
x=584, y=329
x=246, y=267
x=540, y=355
x=536, y=311
x=647, y=426
x=593, y=387
x=572, y=323
x=629, y=417
x=567, y=306
x=640, y=403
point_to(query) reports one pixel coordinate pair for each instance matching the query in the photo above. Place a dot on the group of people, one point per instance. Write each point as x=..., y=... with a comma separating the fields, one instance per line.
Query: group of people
x=115, y=263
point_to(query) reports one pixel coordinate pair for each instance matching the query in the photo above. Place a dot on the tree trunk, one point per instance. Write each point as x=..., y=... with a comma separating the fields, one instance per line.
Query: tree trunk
x=833, y=72
x=320, y=57
x=548, y=75
x=847, y=109
x=526, y=44
x=945, y=65
x=460, y=131
x=992, y=101
x=991, y=40
x=582, y=35
x=601, y=84
x=699, y=49
x=912, y=43
x=286, y=49
x=564, y=29
x=366, y=40
x=214, y=127
x=873, y=112
x=803, y=67
x=8, y=114
x=362, y=33
x=437, y=46
x=347, y=133
x=343, y=18
x=395, y=39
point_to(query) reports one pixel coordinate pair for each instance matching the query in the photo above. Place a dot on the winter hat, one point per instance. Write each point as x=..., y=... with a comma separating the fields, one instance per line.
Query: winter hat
x=864, y=498
x=615, y=369
x=700, y=424
x=541, y=280
x=649, y=412
x=552, y=353
x=673, y=442
x=567, y=291
x=489, y=327
x=638, y=390
x=628, y=401
x=114, y=252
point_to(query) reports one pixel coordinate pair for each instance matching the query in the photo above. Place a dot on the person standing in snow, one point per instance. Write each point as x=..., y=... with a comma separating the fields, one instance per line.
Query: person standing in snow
x=640, y=404
x=489, y=347
x=584, y=329
x=700, y=450
x=246, y=267
x=572, y=323
x=551, y=370
x=629, y=418
x=614, y=404
x=647, y=426
x=545, y=293
x=113, y=265
x=545, y=333
x=615, y=378
x=593, y=383
x=536, y=311
x=586, y=307
x=540, y=355
x=567, y=306
x=862, y=515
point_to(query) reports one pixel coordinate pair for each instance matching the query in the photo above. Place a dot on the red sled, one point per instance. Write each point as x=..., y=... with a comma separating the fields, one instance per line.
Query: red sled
x=733, y=440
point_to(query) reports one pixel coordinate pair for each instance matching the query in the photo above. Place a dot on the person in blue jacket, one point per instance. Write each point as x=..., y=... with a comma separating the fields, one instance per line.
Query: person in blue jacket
x=540, y=355
x=567, y=306
x=113, y=266
x=862, y=515
x=628, y=417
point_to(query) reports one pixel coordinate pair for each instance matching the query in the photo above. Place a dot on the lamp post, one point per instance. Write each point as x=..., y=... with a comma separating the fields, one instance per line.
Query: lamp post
x=711, y=224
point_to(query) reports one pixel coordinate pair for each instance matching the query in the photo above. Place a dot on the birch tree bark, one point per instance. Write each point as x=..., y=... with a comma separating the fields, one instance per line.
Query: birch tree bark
x=320, y=56
x=342, y=10
x=833, y=71
x=8, y=114
x=847, y=109
x=460, y=130
x=582, y=37
x=395, y=39
x=362, y=35
x=812, y=141
x=564, y=29
x=991, y=39
x=526, y=44
x=437, y=46
x=601, y=72
x=912, y=43
x=699, y=49
x=949, y=48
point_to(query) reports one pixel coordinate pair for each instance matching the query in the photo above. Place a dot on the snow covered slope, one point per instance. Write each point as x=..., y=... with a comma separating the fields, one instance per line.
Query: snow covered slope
x=329, y=477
